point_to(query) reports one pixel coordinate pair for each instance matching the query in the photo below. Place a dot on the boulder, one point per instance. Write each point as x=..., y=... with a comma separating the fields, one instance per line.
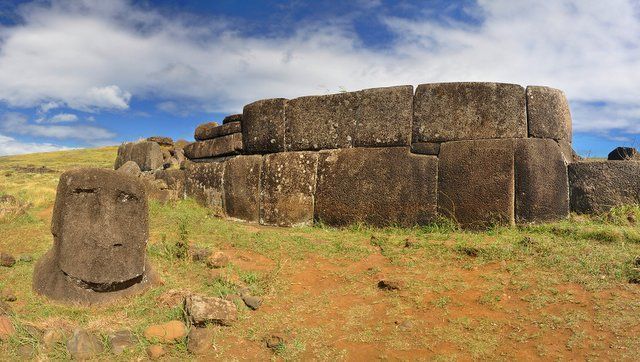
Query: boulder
x=379, y=186
x=211, y=130
x=542, y=186
x=122, y=341
x=84, y=345
x=623, y=154
x=288, y=185
x=7, y=260
x=242, y=187
x=175, y=180
x=199, y=340
x=426, y=148
x=201, y=310
x=467, y=111
x=130, y=168
x=383, y=117
x=548, y=113
x=204, y=184
x=263, y=126
x=100, y=227
x=148, y=155
x=321, y=122
x=222, y=146
x=476, y=182
x=167, y=332
x=161, y=140
x=232, y=118
x=597, y=186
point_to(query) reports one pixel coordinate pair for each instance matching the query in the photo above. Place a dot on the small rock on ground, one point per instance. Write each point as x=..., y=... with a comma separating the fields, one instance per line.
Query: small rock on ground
x=6, y=328
x=155, y=351
x=167, y=332
x=202, y=310
x=52, y=337
x=8, y=296
x=25, y=258
x=274, y=341
x=199, y=254
x=84, y=345
x=7, y=260
x=405, y=325
x=390, y=284
x=251, y=301
x=218, y=260
x=199, y=340
x=122, y=341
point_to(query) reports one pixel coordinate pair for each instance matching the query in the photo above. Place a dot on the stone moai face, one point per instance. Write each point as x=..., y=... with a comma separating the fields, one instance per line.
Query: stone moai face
x=100, y=226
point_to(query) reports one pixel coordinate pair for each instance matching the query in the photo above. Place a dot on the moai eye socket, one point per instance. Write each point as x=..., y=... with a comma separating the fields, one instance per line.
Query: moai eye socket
x=83, y=191
x=125, y=197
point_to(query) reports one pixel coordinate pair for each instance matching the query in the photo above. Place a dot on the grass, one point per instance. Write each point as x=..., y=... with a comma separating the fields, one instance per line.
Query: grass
x=554, y=291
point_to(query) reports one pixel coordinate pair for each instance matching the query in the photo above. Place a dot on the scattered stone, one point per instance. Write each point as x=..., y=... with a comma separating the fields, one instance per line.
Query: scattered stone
x=199, y=254
x=155, y=351
x=26, y=351
x=84, y=345
x=199, y=340
x=252, y=301
x=405, y=325
x=7, y=260
x=8, y=296
x=34, y=169
x=167, y=332
x=25, y=258
x=232, y=118
x=130, y=168
x=390, y=284
x=274, y=341
x=202, y=310
x=218, y=260
x=623, y=154
x=122, y=341
x=100, y=225
x=162, y=141
x=52, y=337
x=6, y=328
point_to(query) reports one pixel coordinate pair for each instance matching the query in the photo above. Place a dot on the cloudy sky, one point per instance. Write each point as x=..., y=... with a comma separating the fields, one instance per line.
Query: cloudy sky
x=84, y=73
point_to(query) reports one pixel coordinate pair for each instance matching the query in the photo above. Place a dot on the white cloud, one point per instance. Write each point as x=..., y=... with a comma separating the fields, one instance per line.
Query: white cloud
x=17, y=123
x=58, y=118
x=91, y=55
x=11, y=146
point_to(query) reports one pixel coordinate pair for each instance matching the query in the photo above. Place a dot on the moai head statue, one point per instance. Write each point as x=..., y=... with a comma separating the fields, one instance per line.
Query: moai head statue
x=100, y=228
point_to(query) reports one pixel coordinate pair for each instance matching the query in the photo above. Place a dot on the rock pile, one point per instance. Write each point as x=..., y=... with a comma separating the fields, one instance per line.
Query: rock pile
x=213, y=140
x=100, y=228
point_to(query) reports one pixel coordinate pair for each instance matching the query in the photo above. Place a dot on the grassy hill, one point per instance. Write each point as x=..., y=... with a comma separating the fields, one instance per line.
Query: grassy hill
x=553, y=291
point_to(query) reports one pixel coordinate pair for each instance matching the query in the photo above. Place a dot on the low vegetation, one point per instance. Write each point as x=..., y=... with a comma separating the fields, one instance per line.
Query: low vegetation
x=564, y=290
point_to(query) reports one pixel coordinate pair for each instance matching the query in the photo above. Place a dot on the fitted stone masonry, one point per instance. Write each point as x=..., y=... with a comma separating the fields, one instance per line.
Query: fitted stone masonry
x=478, y=153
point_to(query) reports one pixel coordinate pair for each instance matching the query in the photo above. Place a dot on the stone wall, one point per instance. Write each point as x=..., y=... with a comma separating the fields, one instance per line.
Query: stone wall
x=479, y=153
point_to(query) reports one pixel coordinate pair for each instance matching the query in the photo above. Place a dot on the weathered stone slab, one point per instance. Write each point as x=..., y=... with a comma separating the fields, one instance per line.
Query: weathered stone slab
x=624, y=154
x=148, y=155
x=465, y=111
x=204, y=184
x=222, y=146
x=476, y=182
x=232, y=118
x=379, y=186
x=211, y=130
x=426, y=148
x=383, y=117
x=542, y=186
x=288, y=188
x=263, y=126
x=242, y=187
x=321, y=122
x=597, y=186
x=175, y=180
x=548, y=113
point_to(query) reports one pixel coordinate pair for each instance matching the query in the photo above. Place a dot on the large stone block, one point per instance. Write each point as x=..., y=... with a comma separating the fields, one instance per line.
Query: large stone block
x=232, y=118
x=466, y=111
x=542, y=186
x=476, y=182
x=383, y=117
x=288, y=188
x=321, y=122
x=211, y=130
x=379, y=186
x=204, y=184
x=597, y=186
x=242, y=187
x=548, y=113
x=175, y=180
x=147, y=154
x=263, y=126
x=222, y=146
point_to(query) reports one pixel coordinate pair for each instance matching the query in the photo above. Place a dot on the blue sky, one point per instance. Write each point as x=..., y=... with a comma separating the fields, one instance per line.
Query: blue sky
x=86, y=73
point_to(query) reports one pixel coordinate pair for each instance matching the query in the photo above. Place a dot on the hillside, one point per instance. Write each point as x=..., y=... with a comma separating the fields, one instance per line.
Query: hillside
x=550, y=291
